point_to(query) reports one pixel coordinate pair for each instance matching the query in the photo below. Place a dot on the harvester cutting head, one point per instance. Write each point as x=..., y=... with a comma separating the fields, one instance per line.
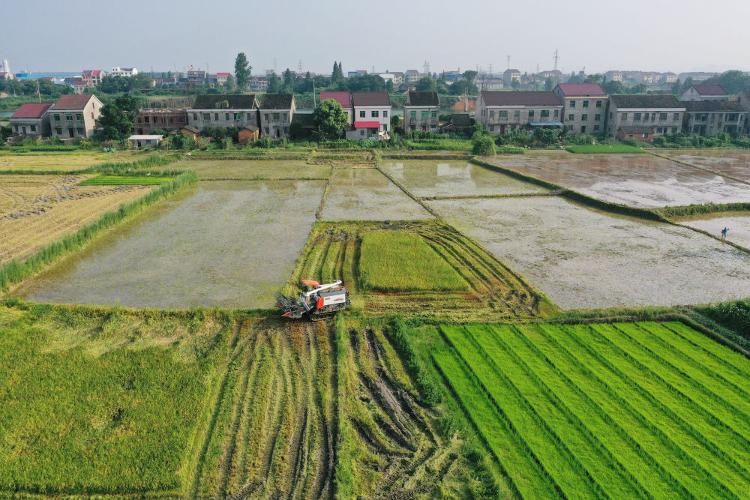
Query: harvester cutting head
x=317, y=302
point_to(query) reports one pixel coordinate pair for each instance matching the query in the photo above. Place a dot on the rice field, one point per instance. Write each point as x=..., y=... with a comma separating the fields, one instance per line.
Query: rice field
x=454, y=178
x=729, y=162
x=455, y=278
x=366, y=194
x=36, y=210
x=254, y=169
x=642, y=180
x=737, y=223
x=62, y=162
x=582, y=258
x=624, y=410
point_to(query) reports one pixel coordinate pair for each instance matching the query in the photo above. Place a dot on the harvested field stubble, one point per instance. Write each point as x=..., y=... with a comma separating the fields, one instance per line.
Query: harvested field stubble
x=253, y=169
x=61, y=162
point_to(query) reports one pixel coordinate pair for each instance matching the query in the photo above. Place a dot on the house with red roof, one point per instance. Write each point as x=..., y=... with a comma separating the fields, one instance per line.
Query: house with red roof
x=73, y=117
x=584, y=107
x=705, y=92
x=92, y=77
x=342, y=97
x=372, y=115
x=31, y=120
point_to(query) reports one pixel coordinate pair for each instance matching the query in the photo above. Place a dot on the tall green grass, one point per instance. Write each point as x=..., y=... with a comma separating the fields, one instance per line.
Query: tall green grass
x=126, y=180
x=403, y=261
x=603, y=149
x=15, y=271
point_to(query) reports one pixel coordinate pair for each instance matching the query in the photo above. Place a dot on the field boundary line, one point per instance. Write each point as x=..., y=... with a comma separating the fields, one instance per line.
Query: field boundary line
x=407, y=192
x=529, y=194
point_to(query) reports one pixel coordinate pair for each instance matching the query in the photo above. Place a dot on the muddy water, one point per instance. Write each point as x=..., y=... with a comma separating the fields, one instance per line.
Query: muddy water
x=229, y=244
x=739, y=227
x=731, y=162
x=454, y=178
x=639, y=180
x=366, y=194
x=253, y=169
x=586, y=259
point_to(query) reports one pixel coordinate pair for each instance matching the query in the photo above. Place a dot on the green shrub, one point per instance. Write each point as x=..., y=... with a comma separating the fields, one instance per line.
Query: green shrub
x=733, y=315
x=483, y=146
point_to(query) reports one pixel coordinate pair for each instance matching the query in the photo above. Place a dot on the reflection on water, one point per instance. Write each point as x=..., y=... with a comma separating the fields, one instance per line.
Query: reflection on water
x=229, y=244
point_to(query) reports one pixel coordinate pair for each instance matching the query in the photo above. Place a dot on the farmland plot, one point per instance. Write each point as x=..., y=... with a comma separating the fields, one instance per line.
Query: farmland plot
x=63, y=162
x=737, y=223
x=582, y=258
x=226, y=244
x=366, y=194
x=425, y=269
x=639, y=180
x=631, y=410
x=253, y=169
x=730, y=162
x=454, y=178
x=101, y=402
x=36, y=210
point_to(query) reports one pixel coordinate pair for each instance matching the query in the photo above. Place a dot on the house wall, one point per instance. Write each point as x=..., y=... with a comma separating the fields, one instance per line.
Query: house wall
x=659, y=121
x=149, y=120
x=420, y=122
x=502, y=119
x=692, y=95
x=715, y=122
x=585, y=114
x=222, y=118
x=31, y=127
x=275, y=122
x=382, y=116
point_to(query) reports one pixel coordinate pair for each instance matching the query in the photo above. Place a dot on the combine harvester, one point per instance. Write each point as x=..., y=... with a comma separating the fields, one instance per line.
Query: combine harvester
x=318, y=302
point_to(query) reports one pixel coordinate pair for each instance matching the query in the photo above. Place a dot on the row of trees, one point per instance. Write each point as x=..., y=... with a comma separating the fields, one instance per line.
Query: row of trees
x=32, y=87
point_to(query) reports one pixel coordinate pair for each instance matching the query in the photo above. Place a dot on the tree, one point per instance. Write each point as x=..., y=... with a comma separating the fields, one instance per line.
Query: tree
x=337, y=75
x=330, y=120
x=242, y=71
x=229, y=85
x=288, y=81
x=426, y=84
x=613, y=87
x=733, y=81
x=548, y=84
x=274, y=83
x=547, y=136
x=117, y=118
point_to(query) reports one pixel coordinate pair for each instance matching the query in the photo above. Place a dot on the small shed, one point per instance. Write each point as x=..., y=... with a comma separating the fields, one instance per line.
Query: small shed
x=145, y=141
x=247, y=134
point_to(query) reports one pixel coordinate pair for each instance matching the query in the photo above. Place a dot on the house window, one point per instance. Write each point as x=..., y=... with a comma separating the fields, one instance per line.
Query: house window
x=58, y=130
x=216, y=117
x=275, y=117
x=598, y=104
x=226, y=116
x=207, y=117
x=57, y=118
x=79, y=131
x=503, y=115
x=583, y=129
x=79, y=116
x=585, y=104
x=517, y=114
x=69, y=117
x=545, y=113
x=385, y=114
x=572, y=104
x=531, y=113
x=361, y=114
x=385, y=127
x=557, y=113
x=433, y=115
x=375, y=114
x=584, y=117
x=413, y=115
x=571, y=117
x=195, y=116
x=597, y=117
x=146, y=119
x=424, y=115
x=623, y=116
x=492, y=114
x=596, y=128
x=33, y=128
x=676, y=117
x=636, y=117
x=663, y=117
x=362, y=131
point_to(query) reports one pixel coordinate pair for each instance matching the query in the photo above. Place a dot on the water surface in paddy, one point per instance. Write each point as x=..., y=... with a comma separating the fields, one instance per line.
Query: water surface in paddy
x=428, y=178
x=587, y=259
x=638, y=180
x=738, y=225
x=731, y=162
x=367, y=194
x=228, y=244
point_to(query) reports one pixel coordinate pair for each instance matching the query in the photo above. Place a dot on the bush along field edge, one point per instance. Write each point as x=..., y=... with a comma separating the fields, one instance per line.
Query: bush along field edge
x=15, y=271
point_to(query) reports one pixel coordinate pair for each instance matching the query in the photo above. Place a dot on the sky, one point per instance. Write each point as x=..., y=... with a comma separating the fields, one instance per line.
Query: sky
x=595, y=35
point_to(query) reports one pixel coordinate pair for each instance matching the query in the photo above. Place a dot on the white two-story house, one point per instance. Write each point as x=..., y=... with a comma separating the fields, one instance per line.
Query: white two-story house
x=372, y=115
x=421, y=111
x=223, y=111
x=276, y=114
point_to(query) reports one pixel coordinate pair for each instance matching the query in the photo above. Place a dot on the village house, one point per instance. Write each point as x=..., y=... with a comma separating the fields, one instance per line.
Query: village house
x=92, y=77
x=705, y=92
x=411, y=76
x=146, y=141
x=73, y=117
x=223, y=111
x=126, y=72
x=500, y=112
x=743, y=99
x=31, y=120
x=342, y=97
x=584, y=107
x=510, y=76
x=644, y=116
x=714, y=117
x=150, y=119
x=421, y=111
x=276, y=113
x=372, y=115
x=464, y=105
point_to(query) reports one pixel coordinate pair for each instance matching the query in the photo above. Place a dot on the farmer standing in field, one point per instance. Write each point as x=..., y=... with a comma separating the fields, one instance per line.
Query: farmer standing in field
x=724, y=233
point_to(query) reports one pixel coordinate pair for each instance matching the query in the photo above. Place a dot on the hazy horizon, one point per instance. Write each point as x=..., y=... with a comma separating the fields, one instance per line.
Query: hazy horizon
x=170, y=35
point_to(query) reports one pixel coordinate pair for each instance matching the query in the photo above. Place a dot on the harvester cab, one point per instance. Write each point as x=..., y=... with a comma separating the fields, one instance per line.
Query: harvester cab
x=317, y=302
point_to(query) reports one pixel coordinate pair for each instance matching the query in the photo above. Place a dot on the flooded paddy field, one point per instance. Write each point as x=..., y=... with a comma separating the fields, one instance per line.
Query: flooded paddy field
x=586, y=259
x=367, y=194
x=228, y=244
x=637, y=180
x=36, y=210
x=252, y=169
x=445, y=178
x=63, y=162
x=738, y=224
x=730, y=162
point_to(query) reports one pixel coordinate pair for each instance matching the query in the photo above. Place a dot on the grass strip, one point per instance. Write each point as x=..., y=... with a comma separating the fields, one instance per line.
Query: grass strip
x=126, y=180
x=588, y=149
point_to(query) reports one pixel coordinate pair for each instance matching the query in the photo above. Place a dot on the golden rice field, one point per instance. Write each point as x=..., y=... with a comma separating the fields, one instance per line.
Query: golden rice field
x=63, y=162
x=36, y=210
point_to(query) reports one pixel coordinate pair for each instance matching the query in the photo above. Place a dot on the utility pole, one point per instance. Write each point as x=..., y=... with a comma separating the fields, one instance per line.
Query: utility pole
x=557, y=58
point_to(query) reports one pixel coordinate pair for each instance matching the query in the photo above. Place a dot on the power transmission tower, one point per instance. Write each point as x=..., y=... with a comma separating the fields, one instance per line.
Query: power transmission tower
x=557, y=58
